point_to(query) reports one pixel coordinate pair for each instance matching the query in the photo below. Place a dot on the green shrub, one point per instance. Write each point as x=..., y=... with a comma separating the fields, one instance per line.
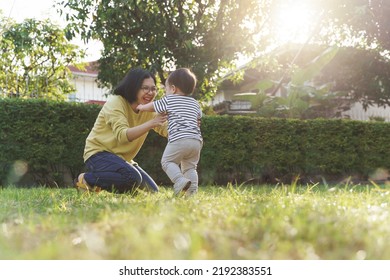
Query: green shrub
x=49, y=138
x=238, y=148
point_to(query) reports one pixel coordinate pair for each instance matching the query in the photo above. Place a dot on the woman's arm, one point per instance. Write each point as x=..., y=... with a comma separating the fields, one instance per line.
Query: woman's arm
x=139, y=130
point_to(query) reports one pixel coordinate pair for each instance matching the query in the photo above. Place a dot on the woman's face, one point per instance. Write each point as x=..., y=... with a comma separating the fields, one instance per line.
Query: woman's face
x=147, y=92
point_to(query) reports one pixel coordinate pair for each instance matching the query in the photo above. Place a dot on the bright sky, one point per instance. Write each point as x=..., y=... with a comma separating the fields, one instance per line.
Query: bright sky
x=42, y=9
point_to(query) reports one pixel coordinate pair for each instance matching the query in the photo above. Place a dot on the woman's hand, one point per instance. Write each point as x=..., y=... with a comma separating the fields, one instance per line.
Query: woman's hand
x=160, y=119
x=137, y=131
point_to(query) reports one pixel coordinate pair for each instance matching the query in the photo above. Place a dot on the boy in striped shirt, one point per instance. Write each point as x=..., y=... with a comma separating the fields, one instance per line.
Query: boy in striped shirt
x=182, y=153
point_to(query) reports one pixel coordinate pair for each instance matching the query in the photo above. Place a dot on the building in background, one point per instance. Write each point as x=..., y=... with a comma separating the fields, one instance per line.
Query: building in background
x=227, y=101
x=85, y=82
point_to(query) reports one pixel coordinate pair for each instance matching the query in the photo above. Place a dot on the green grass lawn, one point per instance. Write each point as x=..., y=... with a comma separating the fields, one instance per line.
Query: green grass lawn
x=230, y=222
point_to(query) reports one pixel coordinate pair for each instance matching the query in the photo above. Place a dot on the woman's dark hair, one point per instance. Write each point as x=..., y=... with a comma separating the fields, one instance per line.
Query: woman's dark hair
x=132, y=83
x=183, y=79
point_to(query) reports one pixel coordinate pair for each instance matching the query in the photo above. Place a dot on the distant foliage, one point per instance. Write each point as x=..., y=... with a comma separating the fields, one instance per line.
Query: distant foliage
x=205, y=35
x=34, y=60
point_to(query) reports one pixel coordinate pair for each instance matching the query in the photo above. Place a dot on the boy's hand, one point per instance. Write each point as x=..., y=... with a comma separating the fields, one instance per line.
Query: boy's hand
x=139, y=107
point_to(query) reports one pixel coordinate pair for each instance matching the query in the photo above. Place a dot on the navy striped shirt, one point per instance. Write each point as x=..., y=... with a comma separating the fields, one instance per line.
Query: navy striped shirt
x=183, y=114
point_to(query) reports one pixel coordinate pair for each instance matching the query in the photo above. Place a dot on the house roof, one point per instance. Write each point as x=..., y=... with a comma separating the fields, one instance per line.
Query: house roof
x=91, y=68
x=98, y=102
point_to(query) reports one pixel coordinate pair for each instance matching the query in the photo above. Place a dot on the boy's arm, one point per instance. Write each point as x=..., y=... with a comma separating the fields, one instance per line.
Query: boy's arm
x=146, y=107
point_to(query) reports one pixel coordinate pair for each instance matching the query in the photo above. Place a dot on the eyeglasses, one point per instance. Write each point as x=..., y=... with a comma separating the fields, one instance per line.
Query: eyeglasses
x=147, y=89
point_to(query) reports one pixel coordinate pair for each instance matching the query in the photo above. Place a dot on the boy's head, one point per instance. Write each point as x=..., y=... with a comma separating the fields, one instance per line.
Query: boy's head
x=183, y=79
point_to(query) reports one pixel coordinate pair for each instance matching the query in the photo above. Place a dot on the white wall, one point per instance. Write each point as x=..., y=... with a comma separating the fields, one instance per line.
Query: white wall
x=87, y=88
x=218, y=98
x=358, y=113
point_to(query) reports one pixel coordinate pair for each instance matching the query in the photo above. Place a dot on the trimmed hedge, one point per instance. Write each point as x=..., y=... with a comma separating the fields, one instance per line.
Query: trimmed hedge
x=49, y=137
x=239, y=148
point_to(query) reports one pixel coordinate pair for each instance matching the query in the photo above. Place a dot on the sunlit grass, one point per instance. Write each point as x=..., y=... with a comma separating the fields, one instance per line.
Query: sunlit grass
x=230, y=222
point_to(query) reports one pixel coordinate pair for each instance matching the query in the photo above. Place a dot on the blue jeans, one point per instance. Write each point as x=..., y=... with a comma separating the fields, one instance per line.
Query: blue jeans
x=112, y=173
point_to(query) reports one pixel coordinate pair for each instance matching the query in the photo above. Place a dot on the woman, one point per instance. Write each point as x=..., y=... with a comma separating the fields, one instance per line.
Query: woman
x=118, y=134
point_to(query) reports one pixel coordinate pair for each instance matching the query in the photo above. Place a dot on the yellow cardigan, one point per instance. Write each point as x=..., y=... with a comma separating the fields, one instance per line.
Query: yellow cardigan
x=109, y=131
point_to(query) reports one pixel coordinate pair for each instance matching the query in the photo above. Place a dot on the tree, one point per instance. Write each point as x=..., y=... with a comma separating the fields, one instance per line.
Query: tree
x=364, y=21
x=364, y=75
x=367, y=19
x=34, y=58
x=205, y=35
x=359, y=73
x=209, y=35
x=299, y=96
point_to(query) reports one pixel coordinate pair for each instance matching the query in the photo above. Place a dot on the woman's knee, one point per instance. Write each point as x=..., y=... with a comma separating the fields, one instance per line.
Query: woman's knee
x=131, y=176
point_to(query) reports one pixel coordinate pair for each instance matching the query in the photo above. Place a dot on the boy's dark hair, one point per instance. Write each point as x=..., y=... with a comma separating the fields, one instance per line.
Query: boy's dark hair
x=183, y=79
x=132, y=83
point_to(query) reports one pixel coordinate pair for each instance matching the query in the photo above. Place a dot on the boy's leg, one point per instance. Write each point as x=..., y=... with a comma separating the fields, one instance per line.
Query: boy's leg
x=170, y=161
x=189, y=164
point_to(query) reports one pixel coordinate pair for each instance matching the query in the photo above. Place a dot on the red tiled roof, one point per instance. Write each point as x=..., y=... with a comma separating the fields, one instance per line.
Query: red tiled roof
x=98, y=102
x=90, y=68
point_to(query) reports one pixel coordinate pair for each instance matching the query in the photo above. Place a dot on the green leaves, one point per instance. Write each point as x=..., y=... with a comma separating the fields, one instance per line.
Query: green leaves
x=300, y=95
x=160, y=35
x=237, y=149
x=46, y=135
x=306, y=74
x=34, y=59
x=50, y=136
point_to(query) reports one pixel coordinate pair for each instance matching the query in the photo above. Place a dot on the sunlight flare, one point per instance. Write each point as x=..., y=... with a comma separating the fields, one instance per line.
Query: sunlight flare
x=293, y=23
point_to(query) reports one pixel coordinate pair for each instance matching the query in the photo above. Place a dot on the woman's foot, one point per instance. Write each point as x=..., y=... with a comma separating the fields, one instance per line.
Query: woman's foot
x=82, y=186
